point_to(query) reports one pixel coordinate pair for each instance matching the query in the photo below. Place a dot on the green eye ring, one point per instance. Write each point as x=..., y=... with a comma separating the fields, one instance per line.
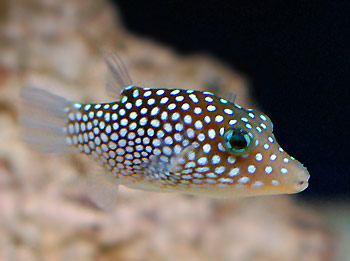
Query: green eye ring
x=238, y=141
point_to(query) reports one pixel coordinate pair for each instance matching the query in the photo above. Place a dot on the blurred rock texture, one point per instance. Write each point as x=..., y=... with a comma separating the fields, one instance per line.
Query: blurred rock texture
x=54, y=44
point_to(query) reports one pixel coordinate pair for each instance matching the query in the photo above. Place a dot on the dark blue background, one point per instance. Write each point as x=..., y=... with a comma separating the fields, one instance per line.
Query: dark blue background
x=297, y=57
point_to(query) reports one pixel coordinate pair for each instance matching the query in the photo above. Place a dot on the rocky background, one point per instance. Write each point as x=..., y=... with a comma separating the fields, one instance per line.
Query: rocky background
x=44, y=211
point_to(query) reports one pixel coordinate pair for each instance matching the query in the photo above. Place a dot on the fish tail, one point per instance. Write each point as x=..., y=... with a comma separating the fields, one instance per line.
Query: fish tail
x=43, y=117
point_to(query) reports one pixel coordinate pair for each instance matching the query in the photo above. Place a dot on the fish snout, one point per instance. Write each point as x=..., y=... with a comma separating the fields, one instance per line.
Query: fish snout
x=302, y=177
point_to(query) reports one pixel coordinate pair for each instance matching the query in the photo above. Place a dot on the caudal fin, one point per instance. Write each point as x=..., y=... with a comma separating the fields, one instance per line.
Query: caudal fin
x=43, y=118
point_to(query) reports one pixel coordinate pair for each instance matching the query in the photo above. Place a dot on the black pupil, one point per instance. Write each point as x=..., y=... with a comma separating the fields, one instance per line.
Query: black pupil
x=238, y=141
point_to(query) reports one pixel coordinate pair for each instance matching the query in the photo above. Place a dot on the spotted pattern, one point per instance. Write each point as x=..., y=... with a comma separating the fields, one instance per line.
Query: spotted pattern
x=172, y=139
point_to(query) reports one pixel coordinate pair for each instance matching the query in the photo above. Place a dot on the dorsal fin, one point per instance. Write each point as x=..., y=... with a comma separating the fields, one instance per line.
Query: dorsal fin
x=231, y=97
x=118, y=77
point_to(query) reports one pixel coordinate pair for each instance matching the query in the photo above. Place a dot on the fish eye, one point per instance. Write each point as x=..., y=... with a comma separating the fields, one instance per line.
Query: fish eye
x=237, y=141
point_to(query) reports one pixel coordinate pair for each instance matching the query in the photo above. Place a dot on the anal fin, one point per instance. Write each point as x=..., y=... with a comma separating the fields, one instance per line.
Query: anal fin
x=99, y=190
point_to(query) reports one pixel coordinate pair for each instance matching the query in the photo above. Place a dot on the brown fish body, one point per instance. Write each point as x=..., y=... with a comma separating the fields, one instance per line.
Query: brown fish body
x=172, y=140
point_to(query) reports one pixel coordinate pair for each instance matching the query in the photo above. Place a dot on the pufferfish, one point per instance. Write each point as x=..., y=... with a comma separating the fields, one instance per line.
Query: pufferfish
x=167, y=140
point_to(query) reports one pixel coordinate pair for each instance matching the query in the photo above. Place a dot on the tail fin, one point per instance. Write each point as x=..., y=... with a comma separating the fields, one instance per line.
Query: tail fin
x=43, y=118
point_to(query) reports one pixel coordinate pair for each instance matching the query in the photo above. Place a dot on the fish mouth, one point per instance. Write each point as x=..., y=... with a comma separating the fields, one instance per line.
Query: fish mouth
x=303, y=177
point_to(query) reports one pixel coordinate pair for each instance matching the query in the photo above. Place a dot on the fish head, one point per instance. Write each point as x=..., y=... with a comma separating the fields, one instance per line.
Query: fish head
x=251, y=161
x=253, y=157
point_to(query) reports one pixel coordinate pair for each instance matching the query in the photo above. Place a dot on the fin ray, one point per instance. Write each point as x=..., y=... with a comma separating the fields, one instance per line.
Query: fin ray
x=231, y=97
x=101, y=189
x=118, y=76
x=42, y=116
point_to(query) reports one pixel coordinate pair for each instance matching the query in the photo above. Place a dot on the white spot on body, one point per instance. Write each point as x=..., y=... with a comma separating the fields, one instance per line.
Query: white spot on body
x=128, y=106
x=211, y=108
x=185, y=106
x=232, y=122
x=154, y=111
x=146, y=94
x=275, y=182
x=171, y=106
x=243, y=180
x=202, y=161
x=226, y=180
x=190, y=133
x=155, y=123
x=160, y=92
x=138, y=103
x=201, y=137
x=164, y=100
x=179, y=98
x=122, y=112
x=122, y=143
x=167, y=127
x=284, y=171
x=188, y=119
x=104, y=137
x=124, y=122
x=211, y=134
x=193, y=98
x=268, y=169
x=219, y=118
x=143, y=121
x=211, y=175
x=179, y=127
x=198, y=125
x=77, y=106
x=99, y=114
x=228, y=111
x=263, y=117
x=258, y=157
x=233, y=172
x=215, y=159
x=221, y=147
x=206, y=148
x=197, y=110
x=257, y=184
x=143, y=111
x=251, y=169
x=220, y=170
x=208, y=99
x=231, y=160
x=151, y=101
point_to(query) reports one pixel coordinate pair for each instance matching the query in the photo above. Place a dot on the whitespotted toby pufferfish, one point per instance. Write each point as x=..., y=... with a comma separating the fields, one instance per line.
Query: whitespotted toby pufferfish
x=166, y=139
